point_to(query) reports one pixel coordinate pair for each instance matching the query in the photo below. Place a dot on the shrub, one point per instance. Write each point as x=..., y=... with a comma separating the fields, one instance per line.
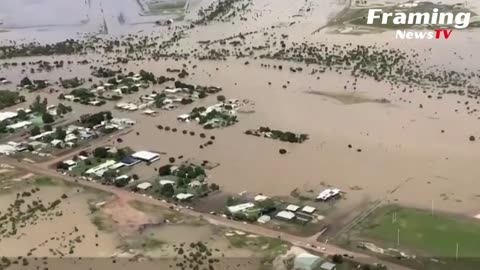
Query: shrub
x=337, y=258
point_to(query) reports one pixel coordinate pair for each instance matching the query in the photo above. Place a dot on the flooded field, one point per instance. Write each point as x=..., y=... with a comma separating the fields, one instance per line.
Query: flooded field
x=91, y=227
x=59, y=20
x=401, y=119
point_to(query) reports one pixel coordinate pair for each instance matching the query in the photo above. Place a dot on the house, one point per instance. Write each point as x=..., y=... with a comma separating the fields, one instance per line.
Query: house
x=129, y=161
x=56, y=142
x=308, y=209
x=172, y=91
x=146, y=156
x=94, y=102
x=70, y=163
x=183, y=196
x=169, y=107
x=264, y=219
x=19, y=125
x=70, y=137
x=7, y=115
x=87, y=135
x=328, y=266
x=41, y=135
x=36, y=145
x=328, y=193
x=70, y=98
x=195, y=183
x=100, y=169
x=149, y=112
x=183, y=118
x=123, y=121
x=286, y=215
x=260, y=198
x=306, y=261
x=26, y=110
x=240, y=207
x=167, y=182
x=6, y=149
x=18, y=146
x=292, y=208
x=144, y=186
x=123, y=176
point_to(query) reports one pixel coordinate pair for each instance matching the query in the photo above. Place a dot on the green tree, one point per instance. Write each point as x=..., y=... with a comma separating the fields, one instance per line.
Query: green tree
x=47, y=118
x=22, y=115
x=35, y=131
x=47, y=128
x=25, y=82
x=221, y=98
x=164, y=170
x=62, y=109
x=167, y=190
x=100, y=152
x=60, y=133
x=122, y=182
x=62, y=166
x=3, y=127
x=39, y=106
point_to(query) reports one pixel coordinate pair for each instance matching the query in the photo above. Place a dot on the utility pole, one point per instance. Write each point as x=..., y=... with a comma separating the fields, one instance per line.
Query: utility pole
x=456, y=253
x=398, y=237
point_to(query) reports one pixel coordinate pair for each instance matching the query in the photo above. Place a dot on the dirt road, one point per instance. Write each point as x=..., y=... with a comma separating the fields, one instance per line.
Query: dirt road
x=126, y=196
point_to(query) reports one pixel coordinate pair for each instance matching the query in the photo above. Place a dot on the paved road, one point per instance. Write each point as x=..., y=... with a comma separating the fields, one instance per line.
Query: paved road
x=304, y=242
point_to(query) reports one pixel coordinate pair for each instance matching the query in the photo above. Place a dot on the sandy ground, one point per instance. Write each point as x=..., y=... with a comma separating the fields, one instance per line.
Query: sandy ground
x=116, y=234
x=45, y=238
x=403, y=148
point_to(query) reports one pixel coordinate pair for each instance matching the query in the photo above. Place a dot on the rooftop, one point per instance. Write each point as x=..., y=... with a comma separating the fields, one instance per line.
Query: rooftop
x=7, y=115
x=183, y=196
x=328, y=266
x=308, y=209
x=286, y=215
x=292, y=207
x=146, y=156
x=19, y=125
x=144, y=186
x=240, y=207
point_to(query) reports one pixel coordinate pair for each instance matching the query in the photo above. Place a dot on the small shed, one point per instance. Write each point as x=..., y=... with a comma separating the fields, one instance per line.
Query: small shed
x=287, y=215
x=292, y=208
x=308, y=209
x=144, y=186
x=328, y=266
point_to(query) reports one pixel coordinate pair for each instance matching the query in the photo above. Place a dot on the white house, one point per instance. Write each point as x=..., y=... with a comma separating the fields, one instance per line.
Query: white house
x=308, y=209
x=285, y=215
x=144, y=186
x=183, y=196
x=19, y=125
x=240, y=207
x=183, y=117
x=306, y=261
x=146, y=156
x=292, y=208
x=166, y=182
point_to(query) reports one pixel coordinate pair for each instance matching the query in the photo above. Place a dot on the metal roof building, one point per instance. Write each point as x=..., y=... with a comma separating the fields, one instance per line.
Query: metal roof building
x=306, y=261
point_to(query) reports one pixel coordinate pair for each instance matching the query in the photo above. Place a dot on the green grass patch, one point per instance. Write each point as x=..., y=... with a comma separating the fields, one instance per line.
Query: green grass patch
x=46, y=181
x=103, y=223
x=435, y=235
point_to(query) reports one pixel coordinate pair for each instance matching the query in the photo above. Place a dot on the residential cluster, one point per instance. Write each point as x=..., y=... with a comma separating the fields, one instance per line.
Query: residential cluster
x=222, y=114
